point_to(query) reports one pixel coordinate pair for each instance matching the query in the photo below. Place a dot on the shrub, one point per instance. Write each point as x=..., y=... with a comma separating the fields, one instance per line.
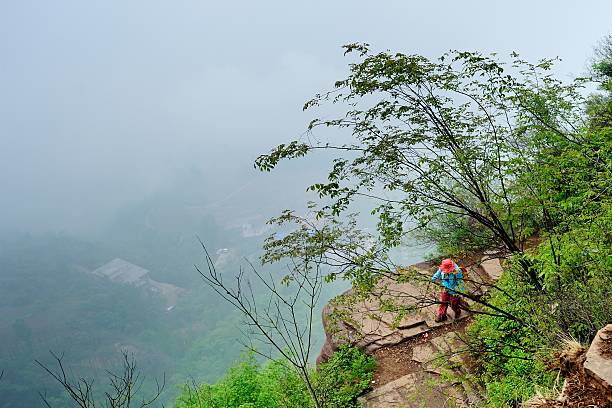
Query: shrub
x=344, y=377
x=249, y=384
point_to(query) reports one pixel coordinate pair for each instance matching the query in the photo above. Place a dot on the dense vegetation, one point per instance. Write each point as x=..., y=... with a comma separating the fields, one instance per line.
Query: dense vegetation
x=572, y=181
x=248, y=384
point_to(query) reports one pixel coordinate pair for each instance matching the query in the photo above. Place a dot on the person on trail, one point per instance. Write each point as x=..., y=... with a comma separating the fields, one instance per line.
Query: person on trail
x=451, y=277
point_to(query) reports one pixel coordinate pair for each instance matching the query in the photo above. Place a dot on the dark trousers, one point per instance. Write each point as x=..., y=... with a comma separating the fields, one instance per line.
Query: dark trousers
x=447, y=298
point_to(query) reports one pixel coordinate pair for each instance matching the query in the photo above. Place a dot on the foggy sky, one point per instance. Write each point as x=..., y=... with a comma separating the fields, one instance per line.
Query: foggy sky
x=105, y=102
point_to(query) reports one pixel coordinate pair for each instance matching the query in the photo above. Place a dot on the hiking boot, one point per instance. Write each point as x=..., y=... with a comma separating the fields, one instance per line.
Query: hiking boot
x=439, y=319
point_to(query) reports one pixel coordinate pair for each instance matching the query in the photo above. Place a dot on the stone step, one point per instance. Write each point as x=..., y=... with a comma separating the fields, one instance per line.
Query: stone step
x=423, y=353
x=492, y=267
x=406, y=380
x=422, y=390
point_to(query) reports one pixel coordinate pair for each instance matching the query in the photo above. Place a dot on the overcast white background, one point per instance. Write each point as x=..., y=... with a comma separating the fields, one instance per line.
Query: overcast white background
x=105, y=102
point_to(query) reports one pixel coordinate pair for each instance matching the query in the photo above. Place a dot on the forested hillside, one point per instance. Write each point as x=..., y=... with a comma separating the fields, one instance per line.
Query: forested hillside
x=51, y=301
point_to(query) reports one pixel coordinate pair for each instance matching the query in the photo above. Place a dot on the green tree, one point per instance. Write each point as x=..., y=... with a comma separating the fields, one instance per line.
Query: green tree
x=572, y=183
x=442, y=138
x=599, y=107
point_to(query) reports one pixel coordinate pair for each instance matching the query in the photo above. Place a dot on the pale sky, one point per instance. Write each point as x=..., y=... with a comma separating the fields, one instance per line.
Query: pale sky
x=104, y=102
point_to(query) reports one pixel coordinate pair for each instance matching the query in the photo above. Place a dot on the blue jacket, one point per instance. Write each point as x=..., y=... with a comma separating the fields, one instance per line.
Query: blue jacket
x=452, y=282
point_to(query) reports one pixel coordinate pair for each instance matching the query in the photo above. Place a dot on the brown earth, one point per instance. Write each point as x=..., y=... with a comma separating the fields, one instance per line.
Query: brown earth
x=395, y=361
x=579, y=394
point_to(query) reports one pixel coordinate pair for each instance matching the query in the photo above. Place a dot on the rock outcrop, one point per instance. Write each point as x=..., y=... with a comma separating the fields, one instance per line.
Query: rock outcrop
x=598, y=363
x=394, y=312
x=397, y=317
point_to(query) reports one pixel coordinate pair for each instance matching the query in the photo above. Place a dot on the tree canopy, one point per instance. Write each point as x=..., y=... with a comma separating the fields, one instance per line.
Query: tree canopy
x=447, y=143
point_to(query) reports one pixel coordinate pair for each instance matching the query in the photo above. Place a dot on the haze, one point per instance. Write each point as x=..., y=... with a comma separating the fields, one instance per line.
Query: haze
x=105, y=103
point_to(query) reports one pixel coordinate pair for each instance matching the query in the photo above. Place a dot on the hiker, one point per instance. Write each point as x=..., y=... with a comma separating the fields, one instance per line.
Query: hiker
x=451, y=277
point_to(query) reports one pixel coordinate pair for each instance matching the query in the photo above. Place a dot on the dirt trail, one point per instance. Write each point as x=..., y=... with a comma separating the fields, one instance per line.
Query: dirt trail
x=396, y=361
x=428, y=370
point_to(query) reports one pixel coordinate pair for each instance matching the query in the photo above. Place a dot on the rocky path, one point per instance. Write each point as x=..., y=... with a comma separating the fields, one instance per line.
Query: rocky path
x=420, y=362
x=436, y=377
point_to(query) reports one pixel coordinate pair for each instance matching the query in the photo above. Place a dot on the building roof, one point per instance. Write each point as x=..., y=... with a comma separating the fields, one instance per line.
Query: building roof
x=121, y=271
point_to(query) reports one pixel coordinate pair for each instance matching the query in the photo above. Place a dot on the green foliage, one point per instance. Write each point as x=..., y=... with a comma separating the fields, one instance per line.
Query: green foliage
x=599, y=107
x=456, y=234
x=346, y=375
x=604, y=68
x=602, y=64
x=577, y=272
x=439, y=143
x=509, y=353
x=518, y=384
x=335, y=244
x=561, y=186
x=249, y=384
x=572, y=258
x=337, y=383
